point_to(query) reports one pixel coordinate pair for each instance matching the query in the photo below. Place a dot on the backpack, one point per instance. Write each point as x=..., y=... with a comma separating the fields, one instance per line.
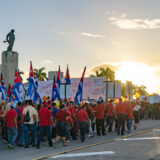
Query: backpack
x=27, y=117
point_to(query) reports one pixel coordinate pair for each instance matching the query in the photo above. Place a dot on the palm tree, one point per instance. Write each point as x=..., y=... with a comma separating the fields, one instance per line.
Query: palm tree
x=40, y=74
x=97, y=74
x=105, y=72
x=108, y=73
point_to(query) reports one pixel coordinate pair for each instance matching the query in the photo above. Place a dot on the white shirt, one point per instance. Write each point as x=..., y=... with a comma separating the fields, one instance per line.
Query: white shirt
x=32, y=111
x=136, y=108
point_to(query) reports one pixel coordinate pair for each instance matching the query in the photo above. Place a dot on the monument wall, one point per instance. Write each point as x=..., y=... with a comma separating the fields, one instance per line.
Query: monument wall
x=9, y=65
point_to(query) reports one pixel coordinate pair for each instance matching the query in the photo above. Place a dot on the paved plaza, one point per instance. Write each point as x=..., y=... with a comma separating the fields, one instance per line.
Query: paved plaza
x=143, y=146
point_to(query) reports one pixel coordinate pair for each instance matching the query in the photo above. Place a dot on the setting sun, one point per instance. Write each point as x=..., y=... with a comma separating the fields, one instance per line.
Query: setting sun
x=138, y=73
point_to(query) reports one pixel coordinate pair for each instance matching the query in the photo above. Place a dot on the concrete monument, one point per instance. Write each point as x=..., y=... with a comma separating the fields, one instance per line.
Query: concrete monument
x=9, y=60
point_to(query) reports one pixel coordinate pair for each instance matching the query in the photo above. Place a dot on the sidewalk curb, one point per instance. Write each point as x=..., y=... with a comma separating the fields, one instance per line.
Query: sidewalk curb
x=92, y=145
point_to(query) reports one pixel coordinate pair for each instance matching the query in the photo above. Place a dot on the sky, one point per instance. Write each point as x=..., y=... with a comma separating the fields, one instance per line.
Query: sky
x=91, y=33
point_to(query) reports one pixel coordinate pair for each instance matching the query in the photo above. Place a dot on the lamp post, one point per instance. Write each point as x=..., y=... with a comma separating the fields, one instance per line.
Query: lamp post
x=65, y=90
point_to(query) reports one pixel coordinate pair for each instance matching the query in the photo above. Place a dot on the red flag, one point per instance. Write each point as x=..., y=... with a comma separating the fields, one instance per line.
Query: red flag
x=31, y=73
x=9, y=90
x=58, y=74
x=2, y=81
x=82, y=78
x=16, y=78
x=54, y=85
x=67, y=73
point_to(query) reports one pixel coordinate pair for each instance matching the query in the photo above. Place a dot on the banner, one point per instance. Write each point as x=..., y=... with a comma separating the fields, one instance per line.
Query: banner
x=153, y=99
x=93, y=88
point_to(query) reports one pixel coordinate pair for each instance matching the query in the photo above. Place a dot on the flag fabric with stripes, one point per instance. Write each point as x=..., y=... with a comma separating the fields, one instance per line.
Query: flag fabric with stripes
x=9, y=94
x=16, y=92
x=37, y=96
x=30, y=94
x=79, y=94
x=3, y=88
x=55, y=94
x=67, y=77
x=58, y=82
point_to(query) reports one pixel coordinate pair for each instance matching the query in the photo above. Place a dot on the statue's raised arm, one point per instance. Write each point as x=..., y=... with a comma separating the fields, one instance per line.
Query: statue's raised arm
x=10, y=38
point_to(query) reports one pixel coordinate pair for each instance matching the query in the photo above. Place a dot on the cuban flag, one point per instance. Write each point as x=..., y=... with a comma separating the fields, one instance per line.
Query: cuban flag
x=16, y=92
x=3, y=87
x=78, y=98
x=37, y=96
x=58, y=82
x=55, y=94
x=67, y=77
x=9, y=94
x=2, y=97
x=30, y=94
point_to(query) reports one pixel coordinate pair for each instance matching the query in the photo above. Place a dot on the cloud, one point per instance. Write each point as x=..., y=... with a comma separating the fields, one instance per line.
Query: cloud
x=47, y=61
x=64, y=33
x=93, y=35
x=126, y=23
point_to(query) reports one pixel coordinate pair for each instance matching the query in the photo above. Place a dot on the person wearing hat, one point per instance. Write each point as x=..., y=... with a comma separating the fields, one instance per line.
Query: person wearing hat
x=11, y=124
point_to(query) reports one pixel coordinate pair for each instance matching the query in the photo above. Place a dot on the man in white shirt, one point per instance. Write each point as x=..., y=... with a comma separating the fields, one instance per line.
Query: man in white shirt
x=136, y=115
x=30, y=124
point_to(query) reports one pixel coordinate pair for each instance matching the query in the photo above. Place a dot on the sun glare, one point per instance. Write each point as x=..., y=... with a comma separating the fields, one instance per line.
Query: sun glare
x=138, y=73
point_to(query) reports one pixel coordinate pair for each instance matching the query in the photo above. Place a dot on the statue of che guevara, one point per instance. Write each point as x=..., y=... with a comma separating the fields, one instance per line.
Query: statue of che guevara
x=10, y=38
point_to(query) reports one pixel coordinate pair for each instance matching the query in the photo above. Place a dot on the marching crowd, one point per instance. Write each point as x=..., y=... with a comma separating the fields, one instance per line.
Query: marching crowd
x=28, y=124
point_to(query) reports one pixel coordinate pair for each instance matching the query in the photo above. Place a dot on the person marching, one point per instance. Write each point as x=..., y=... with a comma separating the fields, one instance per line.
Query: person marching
x=110, y=115
x=136, y=115
x=83, y=119
x=45, y=119
x=130, y=117
x=60, y=119
x=29, y=119
x=121, y=114
x=99, y=114
x=11, y=124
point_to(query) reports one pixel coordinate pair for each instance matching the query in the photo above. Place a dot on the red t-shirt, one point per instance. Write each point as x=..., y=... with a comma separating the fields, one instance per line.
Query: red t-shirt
x=72, y=110
x=121, y=108
x=10, y=116
x=110, y=109
x=130, y=113
x=20, y=112
x=82, y=115
x=44, y=115
x=99, y=111
x=61, y=115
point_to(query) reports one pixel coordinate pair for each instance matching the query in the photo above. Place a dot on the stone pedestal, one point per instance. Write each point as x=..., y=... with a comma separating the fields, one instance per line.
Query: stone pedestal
x=9, y=65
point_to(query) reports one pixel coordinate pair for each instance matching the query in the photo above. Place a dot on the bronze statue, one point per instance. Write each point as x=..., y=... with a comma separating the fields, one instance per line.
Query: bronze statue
x=10, y=40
